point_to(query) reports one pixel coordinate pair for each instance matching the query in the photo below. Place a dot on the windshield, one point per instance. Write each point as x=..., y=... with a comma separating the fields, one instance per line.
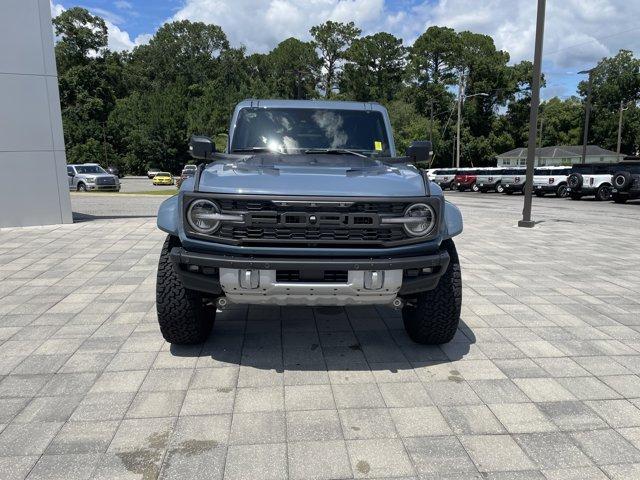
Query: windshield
x=295, y=130
x=163, y=174
x=89, y=169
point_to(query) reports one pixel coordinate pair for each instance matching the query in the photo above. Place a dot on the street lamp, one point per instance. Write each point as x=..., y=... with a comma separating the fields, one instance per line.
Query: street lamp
x=462, y=96
x=533, y=117
x=587, y=112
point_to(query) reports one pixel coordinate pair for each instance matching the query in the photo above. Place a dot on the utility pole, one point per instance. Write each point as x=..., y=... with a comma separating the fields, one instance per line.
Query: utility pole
x=587, y=114
x=533, y=118
x=622, y=109
x=431, y=124
x=460, y=94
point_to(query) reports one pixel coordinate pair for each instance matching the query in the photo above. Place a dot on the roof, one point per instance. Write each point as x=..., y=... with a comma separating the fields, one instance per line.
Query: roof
x=327, y=104
x=560, y=151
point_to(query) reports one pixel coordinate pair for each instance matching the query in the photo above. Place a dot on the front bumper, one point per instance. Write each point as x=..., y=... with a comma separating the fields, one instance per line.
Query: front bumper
x=246, y=279
x=104, y=188
x=514, y=187
x=545, y=187
x=583, y=190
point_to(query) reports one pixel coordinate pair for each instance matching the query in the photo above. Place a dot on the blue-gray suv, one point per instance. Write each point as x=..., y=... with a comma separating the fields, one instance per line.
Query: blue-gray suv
x=309, y=205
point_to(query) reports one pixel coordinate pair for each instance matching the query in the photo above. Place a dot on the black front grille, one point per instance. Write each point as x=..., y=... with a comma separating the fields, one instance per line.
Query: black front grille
x=106, y=181
x=303, y=224
x=253, y=234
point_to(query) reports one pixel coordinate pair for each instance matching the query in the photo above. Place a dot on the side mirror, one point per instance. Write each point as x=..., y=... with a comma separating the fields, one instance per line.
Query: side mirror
x=201, y=147
x=71, y=174
x=420, y=151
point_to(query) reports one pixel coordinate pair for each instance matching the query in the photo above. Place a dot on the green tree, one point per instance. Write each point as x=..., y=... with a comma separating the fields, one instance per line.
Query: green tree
x=81, y=34
x=375, y=68
x=333, y=39
x=615, y=80
x=294, y=69
x=181, y=51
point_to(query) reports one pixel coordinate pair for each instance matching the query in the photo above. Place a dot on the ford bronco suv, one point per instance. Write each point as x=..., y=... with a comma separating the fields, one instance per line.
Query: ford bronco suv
x=551, y=180
x=591, y=179
x=490, y=179
x=309, y=205
x=444, y=177
x=513, y=180
x=465, y=179
x=626, y=182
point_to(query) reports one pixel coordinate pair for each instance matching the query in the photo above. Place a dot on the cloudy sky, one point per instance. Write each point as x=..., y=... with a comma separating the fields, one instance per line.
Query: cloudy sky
x=578, y=32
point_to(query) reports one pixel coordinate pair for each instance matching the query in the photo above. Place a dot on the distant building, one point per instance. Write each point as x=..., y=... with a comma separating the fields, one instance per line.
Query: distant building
x=558, y=155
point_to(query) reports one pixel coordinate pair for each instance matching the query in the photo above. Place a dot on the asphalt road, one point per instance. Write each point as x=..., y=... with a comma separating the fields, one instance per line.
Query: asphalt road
x=139, y=184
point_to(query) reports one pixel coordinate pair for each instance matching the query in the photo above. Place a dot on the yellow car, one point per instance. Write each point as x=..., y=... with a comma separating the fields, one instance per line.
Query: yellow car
x=163, y=178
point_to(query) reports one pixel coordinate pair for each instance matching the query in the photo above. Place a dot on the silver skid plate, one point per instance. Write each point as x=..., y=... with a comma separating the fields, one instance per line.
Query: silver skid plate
x=261, y=287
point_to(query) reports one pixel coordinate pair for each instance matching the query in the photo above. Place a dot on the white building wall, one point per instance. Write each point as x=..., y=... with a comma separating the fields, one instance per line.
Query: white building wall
x=34, y=188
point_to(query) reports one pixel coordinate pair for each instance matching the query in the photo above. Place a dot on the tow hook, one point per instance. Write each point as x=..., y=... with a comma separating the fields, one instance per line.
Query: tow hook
x=222, y=303
x=397, y=303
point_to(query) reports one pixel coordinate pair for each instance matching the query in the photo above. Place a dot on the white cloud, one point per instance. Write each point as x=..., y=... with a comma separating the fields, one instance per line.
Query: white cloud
x=260, y=25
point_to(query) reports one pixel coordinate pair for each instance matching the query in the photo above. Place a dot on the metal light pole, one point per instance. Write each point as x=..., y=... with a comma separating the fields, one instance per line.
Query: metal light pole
x=461, y=97
x=622, y=109
x=587, y=113
x=460, y=93
x=533, y=118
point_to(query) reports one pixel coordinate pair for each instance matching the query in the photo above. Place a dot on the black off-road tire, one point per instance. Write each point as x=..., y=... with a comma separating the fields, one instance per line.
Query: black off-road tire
x=575, y=196
x=620, y=198
x=508, y=192
x=540, y=194
x=603, y=194
x=474, y=187
x=183, y=316
x=561, y=192
x=499, y=188
x=434, y=318
x=82, y=187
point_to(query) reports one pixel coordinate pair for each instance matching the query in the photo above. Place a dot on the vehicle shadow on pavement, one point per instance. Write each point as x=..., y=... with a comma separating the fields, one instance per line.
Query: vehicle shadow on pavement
x=320, y=339
x=85, y=217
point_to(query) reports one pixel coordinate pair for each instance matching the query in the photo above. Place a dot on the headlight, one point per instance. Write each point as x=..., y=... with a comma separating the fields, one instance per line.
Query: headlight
x=425, y=222
x=199, y=216
x=90, y=179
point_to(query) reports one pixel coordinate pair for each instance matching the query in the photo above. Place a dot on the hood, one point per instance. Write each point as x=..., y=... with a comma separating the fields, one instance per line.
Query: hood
x=322, y=175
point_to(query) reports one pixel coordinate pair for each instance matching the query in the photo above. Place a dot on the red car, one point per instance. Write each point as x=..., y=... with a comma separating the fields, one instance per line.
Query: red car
x=466, y=180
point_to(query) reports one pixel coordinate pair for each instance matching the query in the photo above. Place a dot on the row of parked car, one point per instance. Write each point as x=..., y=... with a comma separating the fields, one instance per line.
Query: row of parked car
x=605, y=181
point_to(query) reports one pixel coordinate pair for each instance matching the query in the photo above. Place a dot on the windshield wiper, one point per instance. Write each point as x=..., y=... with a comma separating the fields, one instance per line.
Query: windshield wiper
x=253, y=149
x=334, y=151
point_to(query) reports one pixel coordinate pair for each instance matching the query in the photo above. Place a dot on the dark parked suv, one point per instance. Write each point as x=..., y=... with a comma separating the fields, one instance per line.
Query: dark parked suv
x=626, y=182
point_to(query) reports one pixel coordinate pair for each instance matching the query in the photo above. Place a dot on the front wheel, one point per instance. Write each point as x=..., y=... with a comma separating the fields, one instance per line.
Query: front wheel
x=475, y=187
x=562, y=191
x=620, y=199
x=603, y=193
x=82, y=187
x=499, y=188
x=183, y=316
x=575, y=196
x=434, y=317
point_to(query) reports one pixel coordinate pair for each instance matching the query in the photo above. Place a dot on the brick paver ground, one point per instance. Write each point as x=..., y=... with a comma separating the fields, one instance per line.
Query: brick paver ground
x=541, y=381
